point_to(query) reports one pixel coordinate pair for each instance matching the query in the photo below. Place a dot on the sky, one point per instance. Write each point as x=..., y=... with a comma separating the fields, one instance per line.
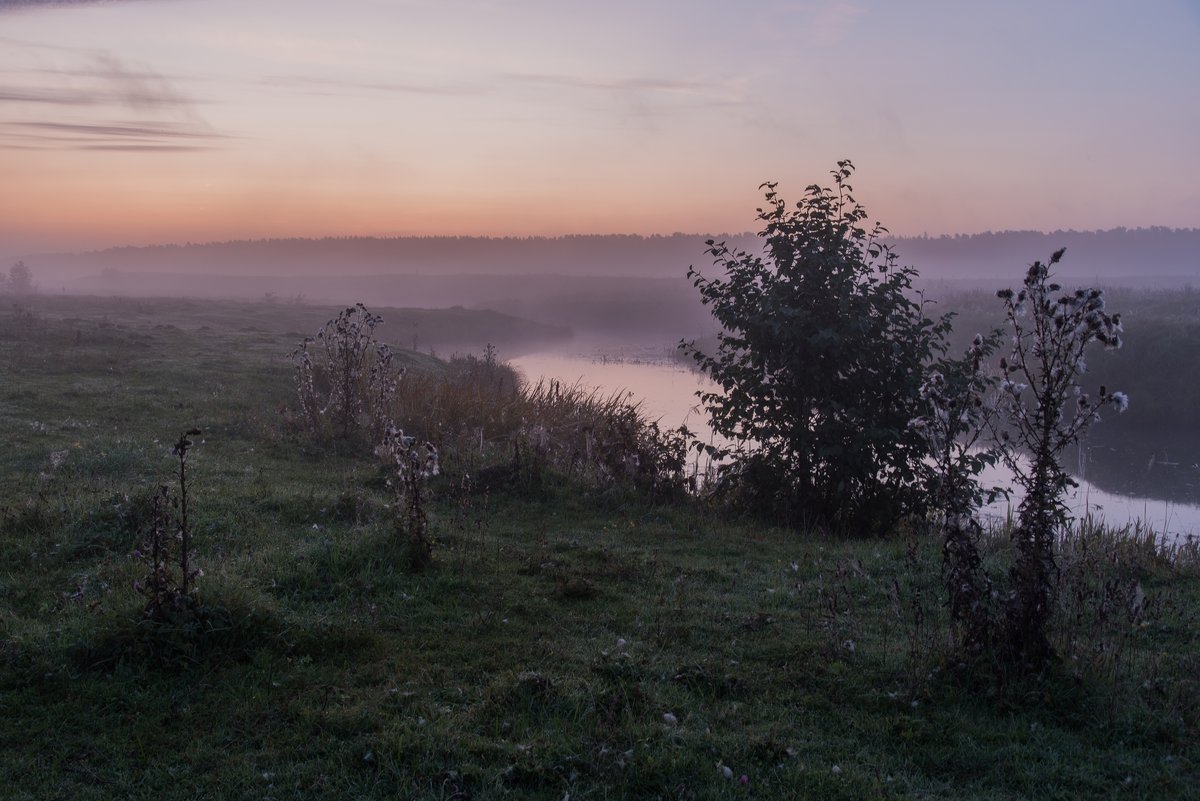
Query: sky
x=155, y=121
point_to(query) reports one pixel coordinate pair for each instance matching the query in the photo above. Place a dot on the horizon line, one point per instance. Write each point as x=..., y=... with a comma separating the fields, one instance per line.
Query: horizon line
x=595, y=235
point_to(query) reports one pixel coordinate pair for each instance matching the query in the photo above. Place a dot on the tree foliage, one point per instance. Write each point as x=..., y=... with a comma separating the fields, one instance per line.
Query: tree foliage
x=820, y=364
x=957, y=395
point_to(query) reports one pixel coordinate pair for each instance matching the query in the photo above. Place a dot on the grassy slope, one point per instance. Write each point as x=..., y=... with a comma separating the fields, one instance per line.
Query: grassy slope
x=501, y=672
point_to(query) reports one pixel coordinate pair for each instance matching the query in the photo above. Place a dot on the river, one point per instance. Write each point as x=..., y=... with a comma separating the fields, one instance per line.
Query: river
x=1124, y=477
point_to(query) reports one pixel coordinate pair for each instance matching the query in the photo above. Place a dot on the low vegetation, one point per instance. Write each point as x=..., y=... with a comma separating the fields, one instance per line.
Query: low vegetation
x=432, y=578
x=572, y=633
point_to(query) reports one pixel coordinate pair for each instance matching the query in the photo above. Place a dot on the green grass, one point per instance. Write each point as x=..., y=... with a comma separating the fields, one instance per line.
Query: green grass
x=541, y=654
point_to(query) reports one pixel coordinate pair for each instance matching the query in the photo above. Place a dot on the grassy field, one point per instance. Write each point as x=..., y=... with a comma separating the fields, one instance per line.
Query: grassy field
x=571, y=640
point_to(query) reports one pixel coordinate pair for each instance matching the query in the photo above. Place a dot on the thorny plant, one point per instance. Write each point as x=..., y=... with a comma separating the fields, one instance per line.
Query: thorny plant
x=356, y=378
x=410, y=466
x=170, y=585
x=954, y=427
x=1043, y=410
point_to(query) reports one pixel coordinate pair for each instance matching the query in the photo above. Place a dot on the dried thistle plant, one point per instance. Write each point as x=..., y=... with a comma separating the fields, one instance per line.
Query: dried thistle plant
x=170, y=584
x=410, y=466
x=354, y=383
x=1044, y=409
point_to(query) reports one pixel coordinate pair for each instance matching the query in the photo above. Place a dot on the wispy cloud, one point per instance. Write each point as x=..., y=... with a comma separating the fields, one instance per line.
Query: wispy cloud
x=101, y=79
x=644, y=100
x=144, y=136
x=680, y=93
x=147, y=148
x=131, y=129
x=140, y=89
x=57, y=97
x=633, y=90
x=611, y=84
x=331, y=86
x=81, y=99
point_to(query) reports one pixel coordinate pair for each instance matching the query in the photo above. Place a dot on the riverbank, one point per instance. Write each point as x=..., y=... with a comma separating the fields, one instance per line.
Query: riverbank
x=570, y=639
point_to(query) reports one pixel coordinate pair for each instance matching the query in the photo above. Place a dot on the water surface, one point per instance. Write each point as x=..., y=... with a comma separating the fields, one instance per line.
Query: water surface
x=1125, y=477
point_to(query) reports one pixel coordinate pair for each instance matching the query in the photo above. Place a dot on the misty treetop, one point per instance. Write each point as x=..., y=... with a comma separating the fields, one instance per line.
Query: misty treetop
x=18, y=281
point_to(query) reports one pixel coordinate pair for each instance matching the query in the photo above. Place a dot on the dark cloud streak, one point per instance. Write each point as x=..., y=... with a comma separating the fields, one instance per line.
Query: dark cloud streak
x=148, y=148
x=19, y=5
x=634, y=92
x=139, y=136
x=58, y=97
x=160, y=130
x=85, y=97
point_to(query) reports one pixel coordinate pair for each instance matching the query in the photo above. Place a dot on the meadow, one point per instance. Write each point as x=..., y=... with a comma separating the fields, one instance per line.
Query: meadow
x=577, y=635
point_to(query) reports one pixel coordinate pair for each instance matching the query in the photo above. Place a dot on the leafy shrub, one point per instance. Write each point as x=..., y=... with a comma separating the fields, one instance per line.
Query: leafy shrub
x=820, y=362
x=957, y=412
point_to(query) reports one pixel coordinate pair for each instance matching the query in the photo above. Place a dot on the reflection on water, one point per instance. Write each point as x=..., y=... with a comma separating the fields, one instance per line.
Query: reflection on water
x=1164, y=516
x=1124, y=476
x=666, y=388
x=1164, y=466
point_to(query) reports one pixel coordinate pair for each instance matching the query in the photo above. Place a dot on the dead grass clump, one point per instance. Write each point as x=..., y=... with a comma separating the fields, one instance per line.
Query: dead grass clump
x=492, y=425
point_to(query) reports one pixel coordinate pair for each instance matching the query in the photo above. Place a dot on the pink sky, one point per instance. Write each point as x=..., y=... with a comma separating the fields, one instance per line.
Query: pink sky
x=176, y=120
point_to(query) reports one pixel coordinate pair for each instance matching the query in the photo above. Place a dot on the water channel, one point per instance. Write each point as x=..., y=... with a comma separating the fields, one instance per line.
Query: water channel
x=1124, y=477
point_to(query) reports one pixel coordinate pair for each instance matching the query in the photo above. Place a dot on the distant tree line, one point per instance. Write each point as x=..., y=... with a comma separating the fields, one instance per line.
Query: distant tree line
x=1095, y=254
x=1109, y=254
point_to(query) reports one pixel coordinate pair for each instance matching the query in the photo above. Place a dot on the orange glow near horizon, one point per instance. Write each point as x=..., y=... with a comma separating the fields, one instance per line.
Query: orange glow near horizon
x=159, y=122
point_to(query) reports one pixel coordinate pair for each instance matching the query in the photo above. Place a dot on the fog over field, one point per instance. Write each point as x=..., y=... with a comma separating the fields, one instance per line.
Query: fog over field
x=614, y=285
x=689, y=400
